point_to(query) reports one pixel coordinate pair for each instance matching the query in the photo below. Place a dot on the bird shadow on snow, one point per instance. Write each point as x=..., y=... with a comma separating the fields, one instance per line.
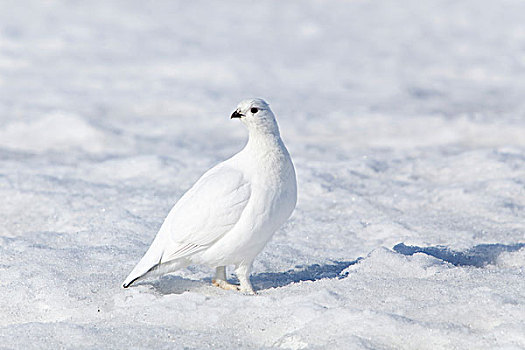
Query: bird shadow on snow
x=261, y=281
x=171, y=284
x=477, y=256
x=314, y=272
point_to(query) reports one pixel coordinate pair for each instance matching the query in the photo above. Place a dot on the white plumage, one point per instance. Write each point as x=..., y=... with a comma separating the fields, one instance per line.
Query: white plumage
x=232, y=211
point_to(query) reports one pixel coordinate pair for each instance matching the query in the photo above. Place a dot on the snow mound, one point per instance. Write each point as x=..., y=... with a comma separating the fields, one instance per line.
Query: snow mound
x=131, y=169
x=57, y=131
x=512, y=259
x=385, y=262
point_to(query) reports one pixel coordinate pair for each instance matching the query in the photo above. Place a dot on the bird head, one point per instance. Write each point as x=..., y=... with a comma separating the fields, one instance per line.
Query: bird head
x=256, y=115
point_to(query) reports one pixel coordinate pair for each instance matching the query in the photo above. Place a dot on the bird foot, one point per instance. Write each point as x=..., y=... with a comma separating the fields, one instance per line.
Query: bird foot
x=228, y=286
x=225, y=285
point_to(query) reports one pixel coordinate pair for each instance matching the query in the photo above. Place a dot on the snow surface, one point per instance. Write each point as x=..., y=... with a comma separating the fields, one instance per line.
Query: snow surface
x=406, y=123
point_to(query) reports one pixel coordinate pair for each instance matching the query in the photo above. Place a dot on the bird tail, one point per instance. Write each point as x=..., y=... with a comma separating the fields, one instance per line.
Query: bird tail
x=149, y=263
x=135, y=276
x=143, y=268
x=156, y=270
x=152, y=264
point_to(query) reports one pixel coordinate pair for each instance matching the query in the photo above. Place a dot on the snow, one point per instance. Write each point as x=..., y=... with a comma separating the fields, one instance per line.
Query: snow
x=405, y=122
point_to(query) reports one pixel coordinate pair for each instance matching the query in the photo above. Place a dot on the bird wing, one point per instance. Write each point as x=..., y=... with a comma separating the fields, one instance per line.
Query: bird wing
x=205, y=213
x=202, y=216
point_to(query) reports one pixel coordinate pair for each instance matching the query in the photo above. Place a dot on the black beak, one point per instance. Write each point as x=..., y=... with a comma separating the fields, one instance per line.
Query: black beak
x=236, y=115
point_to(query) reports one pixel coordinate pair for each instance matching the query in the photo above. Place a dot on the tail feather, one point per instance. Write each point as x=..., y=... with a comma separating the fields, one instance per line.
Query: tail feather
x=147, y=267
x=153, y=262
x=149, y=262
x=130, y=280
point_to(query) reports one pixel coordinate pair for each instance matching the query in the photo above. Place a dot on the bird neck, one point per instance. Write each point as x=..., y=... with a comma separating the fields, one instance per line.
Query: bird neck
x=264, y=140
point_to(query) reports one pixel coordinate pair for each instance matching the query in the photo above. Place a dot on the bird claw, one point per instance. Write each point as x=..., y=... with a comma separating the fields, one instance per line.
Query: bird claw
x=225, y=285
x=228, y=286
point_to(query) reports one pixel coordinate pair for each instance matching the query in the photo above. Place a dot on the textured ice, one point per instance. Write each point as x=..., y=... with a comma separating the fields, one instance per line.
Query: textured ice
x=405, y=122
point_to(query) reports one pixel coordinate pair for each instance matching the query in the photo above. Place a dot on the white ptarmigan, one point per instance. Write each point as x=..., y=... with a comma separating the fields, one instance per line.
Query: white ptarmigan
x=232, y=211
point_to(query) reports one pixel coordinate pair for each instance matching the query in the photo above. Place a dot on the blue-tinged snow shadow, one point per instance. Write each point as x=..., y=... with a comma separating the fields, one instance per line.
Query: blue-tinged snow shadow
x=314, y=272
x=170, y=284
x=478, y=256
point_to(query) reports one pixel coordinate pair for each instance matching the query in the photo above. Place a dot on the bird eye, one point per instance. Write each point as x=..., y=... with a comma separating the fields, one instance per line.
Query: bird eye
x=254, y=110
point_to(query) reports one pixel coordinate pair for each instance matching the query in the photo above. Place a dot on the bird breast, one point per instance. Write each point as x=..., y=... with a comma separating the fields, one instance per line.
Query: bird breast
x=275, y=183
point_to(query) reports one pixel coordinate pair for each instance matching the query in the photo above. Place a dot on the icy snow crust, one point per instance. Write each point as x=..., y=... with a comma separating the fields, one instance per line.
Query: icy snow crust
x=406, y=122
